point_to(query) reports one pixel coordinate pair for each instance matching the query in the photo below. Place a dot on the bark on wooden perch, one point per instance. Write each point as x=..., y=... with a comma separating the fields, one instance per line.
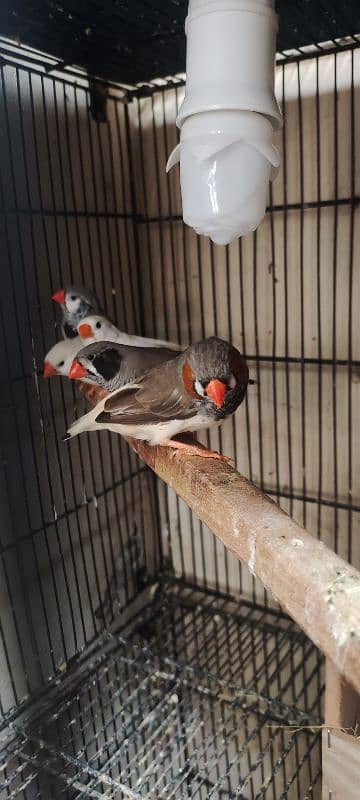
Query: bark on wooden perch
x=319, y=590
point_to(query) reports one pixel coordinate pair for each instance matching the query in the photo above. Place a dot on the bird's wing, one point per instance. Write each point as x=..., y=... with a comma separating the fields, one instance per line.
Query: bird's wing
x=153, y=399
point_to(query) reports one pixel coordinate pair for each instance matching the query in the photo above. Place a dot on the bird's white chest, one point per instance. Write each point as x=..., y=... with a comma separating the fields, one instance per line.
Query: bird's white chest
x=161, y=431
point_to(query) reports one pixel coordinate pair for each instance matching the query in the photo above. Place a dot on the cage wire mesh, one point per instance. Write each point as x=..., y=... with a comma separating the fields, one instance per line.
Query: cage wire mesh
x=128, y=669
x=136, y=41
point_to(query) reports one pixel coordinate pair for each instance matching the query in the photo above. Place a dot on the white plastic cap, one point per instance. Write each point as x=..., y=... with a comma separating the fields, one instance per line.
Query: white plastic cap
x=230, y=58
x=226, y=162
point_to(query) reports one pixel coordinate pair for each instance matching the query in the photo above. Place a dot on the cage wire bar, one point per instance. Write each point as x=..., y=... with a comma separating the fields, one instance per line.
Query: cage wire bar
x=127, y=669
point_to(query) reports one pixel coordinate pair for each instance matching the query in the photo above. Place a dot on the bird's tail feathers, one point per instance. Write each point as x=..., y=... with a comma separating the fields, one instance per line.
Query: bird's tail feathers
x=80, y=425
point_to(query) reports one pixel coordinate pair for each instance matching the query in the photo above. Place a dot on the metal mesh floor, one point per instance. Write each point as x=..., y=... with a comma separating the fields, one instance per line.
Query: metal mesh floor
x=196, y=697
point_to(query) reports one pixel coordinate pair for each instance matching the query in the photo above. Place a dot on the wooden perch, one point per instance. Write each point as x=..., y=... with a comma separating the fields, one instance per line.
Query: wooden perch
x=319, y=590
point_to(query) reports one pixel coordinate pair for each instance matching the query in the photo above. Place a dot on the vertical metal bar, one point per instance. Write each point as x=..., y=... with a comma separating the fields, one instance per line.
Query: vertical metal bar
x=137, y=317
x=110, y=204
x=256, y=334
x=244, y=339
x=215, y=331
x=198, y=570
x=90, y=125
x=203, y=571
x=189, y=336
x=334, y=303
x=274, y=343
x=173, y=260
x=146, y=199
x=246, y=401
x=133, y=201
x=152, y=290
x=231, y=336
x=319, y=306
x=129, y=140
x=302, y=297
x=350, y=310
x=111, y=195
x=172, y=242
x=286, y=290
x=88, y=438
x=129, y=137
x=258, y=377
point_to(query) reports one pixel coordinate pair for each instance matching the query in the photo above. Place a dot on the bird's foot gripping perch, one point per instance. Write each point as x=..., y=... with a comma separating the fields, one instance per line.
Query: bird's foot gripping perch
x=191, y=447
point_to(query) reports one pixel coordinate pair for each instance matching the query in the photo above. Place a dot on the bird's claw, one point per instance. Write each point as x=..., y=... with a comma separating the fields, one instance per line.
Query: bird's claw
x=196, y=449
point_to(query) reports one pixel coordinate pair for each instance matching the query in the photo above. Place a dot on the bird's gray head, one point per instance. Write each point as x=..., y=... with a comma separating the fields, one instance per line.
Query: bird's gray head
x=76, y=303
x=98, y=363
x=216, y=374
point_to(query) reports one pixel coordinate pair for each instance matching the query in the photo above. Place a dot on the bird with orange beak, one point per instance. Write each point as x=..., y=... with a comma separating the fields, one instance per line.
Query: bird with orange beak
x=111, y=365
x=59, y=359
x=195, y=390
x=75, y=302
x=96, y=328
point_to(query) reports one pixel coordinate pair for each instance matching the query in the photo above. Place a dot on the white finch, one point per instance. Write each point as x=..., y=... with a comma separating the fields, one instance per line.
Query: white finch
x=96, y=328
x=59, y=359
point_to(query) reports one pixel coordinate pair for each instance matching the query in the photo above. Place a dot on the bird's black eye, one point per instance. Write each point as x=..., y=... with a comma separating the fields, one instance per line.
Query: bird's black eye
x=91, y=357
x=61, y=363
x=98, y=325
x=73, y=297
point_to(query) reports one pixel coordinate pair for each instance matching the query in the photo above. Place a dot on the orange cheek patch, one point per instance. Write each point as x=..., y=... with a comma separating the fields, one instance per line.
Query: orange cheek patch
x=189, y=378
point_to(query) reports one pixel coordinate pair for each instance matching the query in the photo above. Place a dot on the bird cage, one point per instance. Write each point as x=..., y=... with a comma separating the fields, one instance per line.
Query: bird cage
x=163, y=624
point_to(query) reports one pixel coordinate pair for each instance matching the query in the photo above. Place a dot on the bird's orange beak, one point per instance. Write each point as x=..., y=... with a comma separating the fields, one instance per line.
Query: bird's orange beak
x=49, y=370
x=59, y=297
x=216, y=390
x=77, y=371
x=85, y=331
